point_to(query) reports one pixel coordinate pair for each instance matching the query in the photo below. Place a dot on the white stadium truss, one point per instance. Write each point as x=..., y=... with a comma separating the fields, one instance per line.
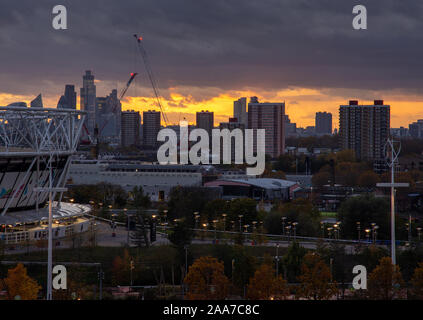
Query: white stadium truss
x=31, y=141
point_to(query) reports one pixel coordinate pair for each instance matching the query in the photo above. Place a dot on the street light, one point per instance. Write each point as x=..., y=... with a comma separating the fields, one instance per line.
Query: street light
x=294, y=225
x=419, y=232
x=224, y=221
x=277, y=259
x=322, y=226
x=214, y=225
x=240, y=222
x=359, y=230
x=283, y=225
x=330, y=232
x=367, y=234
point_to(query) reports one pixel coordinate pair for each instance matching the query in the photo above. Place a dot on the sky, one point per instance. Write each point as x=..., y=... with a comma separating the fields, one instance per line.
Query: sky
x=206, y=54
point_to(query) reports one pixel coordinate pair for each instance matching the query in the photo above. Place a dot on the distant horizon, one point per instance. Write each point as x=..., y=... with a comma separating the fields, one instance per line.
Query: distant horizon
x=206, y=55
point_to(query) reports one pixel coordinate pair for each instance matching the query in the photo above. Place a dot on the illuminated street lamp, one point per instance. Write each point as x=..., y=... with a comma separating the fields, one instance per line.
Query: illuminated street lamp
x=240, y=222
x=419, y=232
x=224, y=221
x=294, y=225
x=367, y=234
x=330, y=232
x=359, y=230
x=283, y=225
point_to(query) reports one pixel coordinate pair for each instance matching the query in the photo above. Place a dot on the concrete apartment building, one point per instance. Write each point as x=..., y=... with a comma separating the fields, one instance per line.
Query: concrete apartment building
x=271, y=117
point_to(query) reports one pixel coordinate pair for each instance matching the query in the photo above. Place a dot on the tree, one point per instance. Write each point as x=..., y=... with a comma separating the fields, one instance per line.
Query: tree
x=265, y=285
x=368, y=179
x=417, y=282
x=315, y=279
x=365, y=209
x=139, y=236
x=299, y=210
x=139, y=199
x=206, y=280
x=18, y=283
x=121, y=268
x=292, y=261
x=181, y=235
x=385, y=281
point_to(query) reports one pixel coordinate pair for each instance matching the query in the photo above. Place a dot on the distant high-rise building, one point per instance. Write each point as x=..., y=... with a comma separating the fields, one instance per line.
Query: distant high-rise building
x=109, y=110
x=150, y=127
x=240, y=111
x=88, y=100
x=37, y=102
x=70, y=96
x=416, y=129
x=68, y=99
x=205, y=120
x=323, y=123
x=131, y=121
x=290, y=127
x=271, y=117
x=231, y=125
x=365, y=129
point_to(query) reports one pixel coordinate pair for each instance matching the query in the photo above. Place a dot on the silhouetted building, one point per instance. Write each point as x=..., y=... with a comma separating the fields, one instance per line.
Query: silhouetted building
x=88, y=100
x=323, y=123
x=131, y=121
x=271, y=117
x=37, y=102
x=240, y=111
x=150, y=127
x=205, y=120
x=365, y=129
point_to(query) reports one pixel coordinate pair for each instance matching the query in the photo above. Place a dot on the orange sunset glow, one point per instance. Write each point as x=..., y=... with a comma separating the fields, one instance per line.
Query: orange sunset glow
x=301, y=103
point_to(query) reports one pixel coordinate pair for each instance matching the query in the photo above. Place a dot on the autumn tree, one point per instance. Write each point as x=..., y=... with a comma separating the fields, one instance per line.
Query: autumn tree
x=18, y=283
x=121, y=268
x=206, y=280
x=417, y=282
x=385, y=281
x=315, y=279
x=265, y=285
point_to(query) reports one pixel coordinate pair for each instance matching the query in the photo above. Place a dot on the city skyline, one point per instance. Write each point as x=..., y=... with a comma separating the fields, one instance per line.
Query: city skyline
x=302, y=53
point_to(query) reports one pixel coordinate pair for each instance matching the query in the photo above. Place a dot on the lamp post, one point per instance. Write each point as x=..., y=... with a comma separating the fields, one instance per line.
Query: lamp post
x=283, y=225
x=322, y=227
x=394, y=152
x=165, y=215
x=359, y=230
x=240, y=222
x=294, y=225
x=419, y=232
x=288, y=231
x=330, y=232
x=277, y=259
x=224, y=221
x=214, y=225
x=367, y=234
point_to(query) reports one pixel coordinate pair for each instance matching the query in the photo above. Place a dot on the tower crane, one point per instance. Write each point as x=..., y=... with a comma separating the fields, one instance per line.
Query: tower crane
x=150, y=75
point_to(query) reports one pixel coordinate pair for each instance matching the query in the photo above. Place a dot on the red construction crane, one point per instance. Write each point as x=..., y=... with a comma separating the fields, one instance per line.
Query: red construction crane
x=150, y=75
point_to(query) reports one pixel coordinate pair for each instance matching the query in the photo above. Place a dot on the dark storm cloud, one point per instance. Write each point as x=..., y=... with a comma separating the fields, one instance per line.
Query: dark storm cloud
x=222, y=43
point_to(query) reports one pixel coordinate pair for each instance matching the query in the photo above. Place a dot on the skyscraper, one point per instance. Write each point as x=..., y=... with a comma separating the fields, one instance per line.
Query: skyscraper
x=205, y=120
x=271, y=117
x=37, y=102
x=323, y=123
x=240, y=111
x=109, y=110
x=70, y=96
x=131, y=121
x=88, y=100
x=150, y=127
x=364, y=129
